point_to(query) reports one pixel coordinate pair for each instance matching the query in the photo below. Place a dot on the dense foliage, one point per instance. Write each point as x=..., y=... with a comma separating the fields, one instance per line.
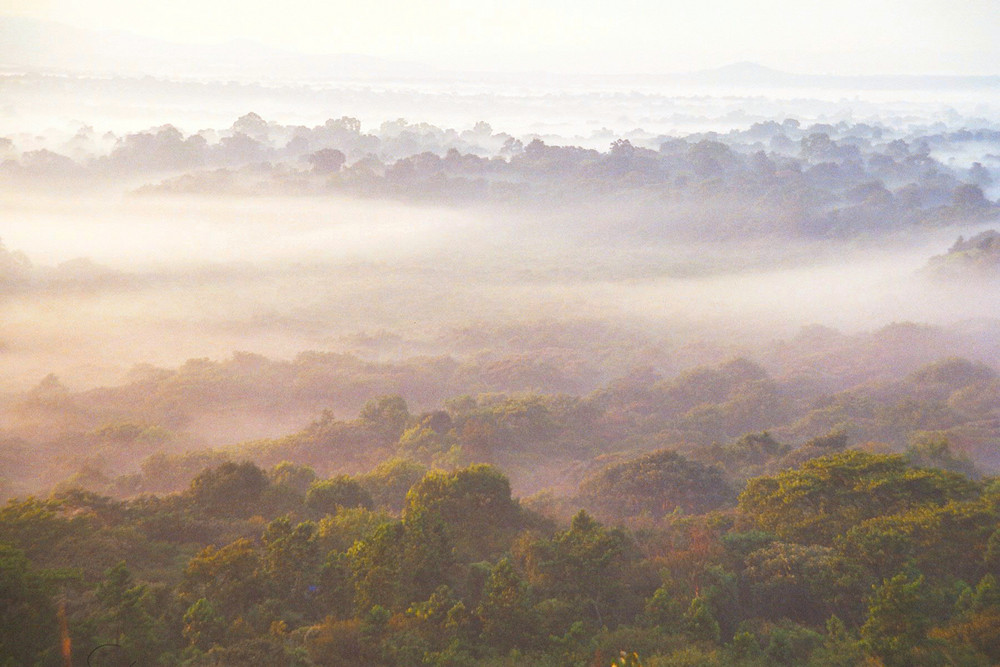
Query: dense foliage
x=782, y=179
x=516, y=491
x=850, y=558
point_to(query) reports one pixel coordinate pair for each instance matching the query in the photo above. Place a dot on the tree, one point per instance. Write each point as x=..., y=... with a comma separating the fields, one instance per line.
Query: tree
x=128, y=621
x=27, y=615
x=231, y=489
x=840, y=648
x=699, y=623
x=475, y=506
x=327, y=161
x=291, y=563
x=426, y=557
x=804, y=583
x=375, y=567
x=429, y=439
x=589, y=567
x=896, y=629
x=335, y=642
x=387, y=416
x=505, y=609
x=664, y=608
x=329, y=496
x=655, y=484
x=826, y=496
x=336, y=585
x=943, y=542
x=935, y=452
x=390, y=481
x=295, y=477
x=229, y=577
x=252, y=125
x=203, y=625
x=977, y=625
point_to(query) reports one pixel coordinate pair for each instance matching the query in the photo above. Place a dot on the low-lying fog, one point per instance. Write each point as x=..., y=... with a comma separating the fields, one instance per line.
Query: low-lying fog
x=174, y=278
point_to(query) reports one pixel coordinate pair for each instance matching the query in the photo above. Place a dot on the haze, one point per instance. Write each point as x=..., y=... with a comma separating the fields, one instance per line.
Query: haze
x=639, y=36
x=496, y=333
x=342, y=196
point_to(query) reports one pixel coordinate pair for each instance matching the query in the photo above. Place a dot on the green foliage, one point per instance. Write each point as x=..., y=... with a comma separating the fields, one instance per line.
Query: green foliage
x=165, y=473
x=290, y=564
x=474, y=505
x=263, y=650
x=655, y=484
x=203, y=625
x=335, y=582
x=431, y=440
x=718, y=589
x=36, y=525
x=935, y=452
x=229, y=577
x=426, y=557
x=375, y=566
x=976, y=628
x=386, y=416
x=129, y=618
x=296, y=477
x=626, y=659
x=689, y=656
x=835, y=440
x=699, y=623
x=334, y=642
x=752, y=451
x=231, y=489
x=343, y=529
x=806, y=583
x=27, y=614
x=505, y=610
x=586, y=567
x=840, y=648
x=790, y=644
x=743, y=543
x=329, y=496
x=463, y=576
x=897, y=624
x=943, y=542
x=828, y=495
x=664, y=609
x=391, y=480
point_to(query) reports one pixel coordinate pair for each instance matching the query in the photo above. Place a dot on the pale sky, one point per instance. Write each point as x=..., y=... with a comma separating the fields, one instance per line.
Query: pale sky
x=845, y=37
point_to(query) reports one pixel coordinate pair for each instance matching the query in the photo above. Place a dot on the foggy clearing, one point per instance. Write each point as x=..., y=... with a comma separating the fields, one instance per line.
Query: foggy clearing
x=176, y=278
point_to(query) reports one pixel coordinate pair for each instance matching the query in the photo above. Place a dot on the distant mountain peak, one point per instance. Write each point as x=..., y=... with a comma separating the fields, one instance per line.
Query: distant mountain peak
x=36, y=44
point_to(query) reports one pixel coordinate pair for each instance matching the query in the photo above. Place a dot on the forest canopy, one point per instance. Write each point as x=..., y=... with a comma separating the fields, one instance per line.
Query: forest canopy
x=324, y=372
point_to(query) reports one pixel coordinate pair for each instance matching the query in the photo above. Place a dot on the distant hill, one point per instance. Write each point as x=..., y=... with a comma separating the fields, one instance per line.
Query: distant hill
x=49, y=47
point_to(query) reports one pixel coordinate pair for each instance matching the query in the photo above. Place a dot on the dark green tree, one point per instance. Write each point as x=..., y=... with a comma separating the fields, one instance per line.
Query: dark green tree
x=231, y=489
x=505, y=610
x=28, y=625
x=590, y=568
x=827, y=496
x=898, y=621
x=655, y=484
x=328, y=496
x=475, y=506
x=386, y=416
